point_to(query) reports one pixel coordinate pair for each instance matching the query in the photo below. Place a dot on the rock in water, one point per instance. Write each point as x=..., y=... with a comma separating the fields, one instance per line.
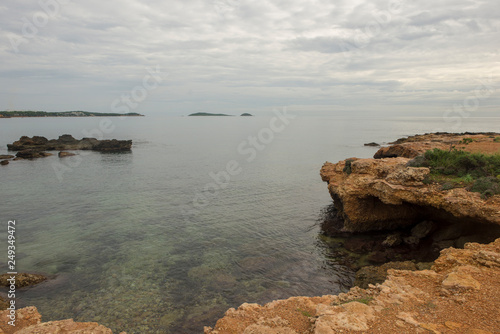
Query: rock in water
x=113, y=145
x=32, y=154
x=63, y=154
x=67, y=142
x=22, y=279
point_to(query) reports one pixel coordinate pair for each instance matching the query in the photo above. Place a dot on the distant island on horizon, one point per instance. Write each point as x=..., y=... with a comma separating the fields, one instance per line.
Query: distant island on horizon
x=10, y=114
x=211, y=114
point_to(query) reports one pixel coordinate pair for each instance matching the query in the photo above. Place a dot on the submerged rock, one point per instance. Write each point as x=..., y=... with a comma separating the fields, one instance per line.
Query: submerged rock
x=377, y=274
x=22, y=279
x=4, y=162
x=63, y=154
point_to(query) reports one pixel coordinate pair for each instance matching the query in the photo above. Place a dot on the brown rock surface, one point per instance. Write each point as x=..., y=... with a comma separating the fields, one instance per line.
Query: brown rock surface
x=8, y=156
x=22, y=279
x=28, y=321
x=383, y=194
x=412, y=146
x=64, y=154
x=459, y=295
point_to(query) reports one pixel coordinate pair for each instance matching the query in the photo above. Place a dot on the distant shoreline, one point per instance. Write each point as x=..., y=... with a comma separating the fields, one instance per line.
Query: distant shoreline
x=29, y=114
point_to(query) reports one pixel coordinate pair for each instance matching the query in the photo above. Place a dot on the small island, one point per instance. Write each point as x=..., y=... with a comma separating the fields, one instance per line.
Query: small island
x=207, y=114
x=246, y=114
x=11, y=114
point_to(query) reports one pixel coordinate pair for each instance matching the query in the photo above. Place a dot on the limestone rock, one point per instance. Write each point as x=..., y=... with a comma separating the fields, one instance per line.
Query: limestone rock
x=66, y=326
x=22, y=279
x=378, y=274
x=63, y=154
x=456, y=280
x=399, y=201
x=28, y=321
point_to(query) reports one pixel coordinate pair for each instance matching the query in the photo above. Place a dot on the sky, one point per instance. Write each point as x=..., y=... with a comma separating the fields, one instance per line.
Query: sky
x=315, y=57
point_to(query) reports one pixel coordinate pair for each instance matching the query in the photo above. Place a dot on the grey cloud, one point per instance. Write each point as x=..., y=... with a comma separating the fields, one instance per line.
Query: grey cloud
x=250, y=54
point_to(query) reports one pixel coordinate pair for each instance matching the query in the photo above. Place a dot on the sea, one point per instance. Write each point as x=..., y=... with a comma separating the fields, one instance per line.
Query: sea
x=204, y=214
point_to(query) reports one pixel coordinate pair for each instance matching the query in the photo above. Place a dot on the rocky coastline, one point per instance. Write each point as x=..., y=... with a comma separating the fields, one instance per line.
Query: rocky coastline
x=434, y=249
x=427, y=255
x=36, y=147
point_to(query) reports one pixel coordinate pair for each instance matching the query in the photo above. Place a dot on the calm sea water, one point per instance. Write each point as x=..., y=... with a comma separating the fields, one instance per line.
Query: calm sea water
x=144, y=242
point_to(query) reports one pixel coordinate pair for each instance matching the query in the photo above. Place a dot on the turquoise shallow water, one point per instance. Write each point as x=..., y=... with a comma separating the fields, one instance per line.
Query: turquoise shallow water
x=128, y=242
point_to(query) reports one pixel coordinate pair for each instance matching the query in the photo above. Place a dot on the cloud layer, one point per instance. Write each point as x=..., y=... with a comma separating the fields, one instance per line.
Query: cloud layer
x=234, y=56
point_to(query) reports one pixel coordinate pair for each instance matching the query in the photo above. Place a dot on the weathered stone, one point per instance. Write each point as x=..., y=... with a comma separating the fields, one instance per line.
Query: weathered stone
x=113, y=145
x=22, y=279
x=4, y=162
x=32, y=154
x=457, y=280
x=68, y=142
x=422, y=229
x=393, y=240
x=6, y=157
x=63, y=154
x=378, y=274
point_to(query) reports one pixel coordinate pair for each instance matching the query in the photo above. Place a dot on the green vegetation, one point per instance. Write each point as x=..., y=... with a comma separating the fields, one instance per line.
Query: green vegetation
x=347, y=168
x=497, y=140
x=477, y=171
x=207, y=114
x=466, y=141
x=7, y=114
x=305, y=313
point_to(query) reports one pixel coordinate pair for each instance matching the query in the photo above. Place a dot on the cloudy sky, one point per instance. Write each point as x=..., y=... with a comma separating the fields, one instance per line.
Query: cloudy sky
x=313, y=56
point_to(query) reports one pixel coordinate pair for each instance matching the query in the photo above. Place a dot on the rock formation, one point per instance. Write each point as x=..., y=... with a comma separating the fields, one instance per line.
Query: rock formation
x=385, y=193
x=22, y=279
x=458, y=295
x=63, y=154
x=67, y=142
x=29, y=321
x=412, y=146
x=381, y=194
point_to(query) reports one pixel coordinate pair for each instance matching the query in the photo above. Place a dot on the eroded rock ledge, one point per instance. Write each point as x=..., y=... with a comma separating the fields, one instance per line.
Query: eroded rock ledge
x=29, y=321
x=461, y=283
x=385, y=194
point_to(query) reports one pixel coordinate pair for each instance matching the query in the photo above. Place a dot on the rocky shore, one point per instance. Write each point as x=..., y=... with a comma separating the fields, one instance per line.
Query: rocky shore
x=458, y=295
x=394, y=212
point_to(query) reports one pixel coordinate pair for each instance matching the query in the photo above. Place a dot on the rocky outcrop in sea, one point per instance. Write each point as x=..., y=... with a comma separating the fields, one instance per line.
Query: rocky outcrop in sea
x=67, y=142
